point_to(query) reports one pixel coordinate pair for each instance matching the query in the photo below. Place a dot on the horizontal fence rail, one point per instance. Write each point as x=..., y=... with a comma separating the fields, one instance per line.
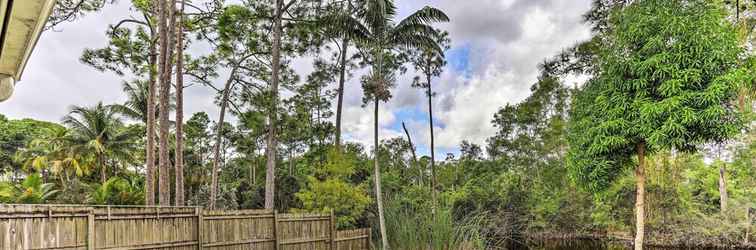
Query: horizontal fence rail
x=61, y=227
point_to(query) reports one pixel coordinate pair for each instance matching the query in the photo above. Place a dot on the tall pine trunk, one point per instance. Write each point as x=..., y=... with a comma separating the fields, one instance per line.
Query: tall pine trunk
x=342, y=79
x=164, y=97
x=149, y=186
x=179, y=172
x=377, y=179
x=272, y=143
x=219, y=139
x=640, y=182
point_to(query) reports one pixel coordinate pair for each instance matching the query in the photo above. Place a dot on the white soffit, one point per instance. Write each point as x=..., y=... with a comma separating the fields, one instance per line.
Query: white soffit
x=22, y=24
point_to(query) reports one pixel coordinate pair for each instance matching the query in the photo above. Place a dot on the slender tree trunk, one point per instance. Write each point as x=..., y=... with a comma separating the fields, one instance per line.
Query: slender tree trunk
x=252, y=169
x=640, y=180
x=149, y=189
x=434, y=189
x=412, y=150
x=218, y=140
x=342, y=79
x=377, y=180
x=165, y=89
x=103, y=174
x=291, y=163
x=179, y=27
x=272, y=143
x=722, y=188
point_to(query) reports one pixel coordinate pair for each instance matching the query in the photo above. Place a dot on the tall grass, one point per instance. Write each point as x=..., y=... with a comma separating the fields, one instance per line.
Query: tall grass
x=416, y=229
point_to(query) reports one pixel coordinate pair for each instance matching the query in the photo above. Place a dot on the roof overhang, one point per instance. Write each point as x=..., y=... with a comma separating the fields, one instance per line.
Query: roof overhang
x=21, y=23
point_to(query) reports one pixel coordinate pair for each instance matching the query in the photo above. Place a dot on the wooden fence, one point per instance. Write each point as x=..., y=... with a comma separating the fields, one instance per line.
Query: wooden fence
x=37, y=227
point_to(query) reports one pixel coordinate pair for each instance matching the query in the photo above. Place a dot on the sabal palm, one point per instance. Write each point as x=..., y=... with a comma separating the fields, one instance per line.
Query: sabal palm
x=377, y=37
x=98, y=131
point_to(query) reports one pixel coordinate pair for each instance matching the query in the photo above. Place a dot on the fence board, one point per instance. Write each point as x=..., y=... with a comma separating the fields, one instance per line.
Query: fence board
x=72, y=227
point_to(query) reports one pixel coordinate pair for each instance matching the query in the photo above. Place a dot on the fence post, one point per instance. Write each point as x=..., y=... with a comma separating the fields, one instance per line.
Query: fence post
x=200, y=220
x=275, y=229
x=370, y=238
x=91, y=229
x=332, y=231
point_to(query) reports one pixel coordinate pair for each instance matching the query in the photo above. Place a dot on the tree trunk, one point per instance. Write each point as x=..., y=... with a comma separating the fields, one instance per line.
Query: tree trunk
x=149, y=186
x=412, y=150
x=180, y=108
x=432, y=149
x=377, y=180
x=272, y=143
x=291, y=163
x=340, y=102
x=722, y=188
x=251, y=169
x=434, y=188
x=640, y=180
x=342, y=79
x=164, y=97
x=103, y=175
x=218, y=140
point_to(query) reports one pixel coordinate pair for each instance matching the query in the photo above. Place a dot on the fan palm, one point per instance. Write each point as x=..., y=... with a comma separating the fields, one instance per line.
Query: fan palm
x=99, y=132
x=378, y=38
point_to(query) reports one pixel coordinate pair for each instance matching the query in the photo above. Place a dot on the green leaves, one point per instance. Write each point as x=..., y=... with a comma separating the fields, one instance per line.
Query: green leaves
x=31, y=190
x=667, y=74
x=330, y=189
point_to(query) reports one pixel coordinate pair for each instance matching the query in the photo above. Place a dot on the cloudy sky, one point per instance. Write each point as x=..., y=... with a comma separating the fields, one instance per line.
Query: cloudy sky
x=496, y=47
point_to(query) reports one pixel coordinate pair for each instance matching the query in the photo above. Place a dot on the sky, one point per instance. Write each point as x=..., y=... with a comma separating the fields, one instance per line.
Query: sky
x=495, y=50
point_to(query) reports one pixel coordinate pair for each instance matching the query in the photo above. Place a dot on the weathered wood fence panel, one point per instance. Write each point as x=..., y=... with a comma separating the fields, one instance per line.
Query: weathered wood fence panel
x=145, y=228
x=353, y=239
x=33, y=227
x=243, y=229
x=38, y=227
x=303, y=231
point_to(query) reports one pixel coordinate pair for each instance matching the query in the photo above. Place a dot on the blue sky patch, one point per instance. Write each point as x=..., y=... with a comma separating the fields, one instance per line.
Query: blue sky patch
x=459, y=59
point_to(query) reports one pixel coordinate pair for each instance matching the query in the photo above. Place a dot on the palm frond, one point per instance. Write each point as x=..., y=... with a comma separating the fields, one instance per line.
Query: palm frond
x=426, y=15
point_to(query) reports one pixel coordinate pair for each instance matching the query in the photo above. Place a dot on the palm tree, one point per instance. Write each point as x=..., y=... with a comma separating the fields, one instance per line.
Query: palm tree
x=99, y=132
x=135, y=107
x=54, y=154
x=377, y=36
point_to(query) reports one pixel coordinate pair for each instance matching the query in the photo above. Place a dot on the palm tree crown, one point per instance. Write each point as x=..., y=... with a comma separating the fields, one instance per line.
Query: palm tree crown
x=98, y=131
